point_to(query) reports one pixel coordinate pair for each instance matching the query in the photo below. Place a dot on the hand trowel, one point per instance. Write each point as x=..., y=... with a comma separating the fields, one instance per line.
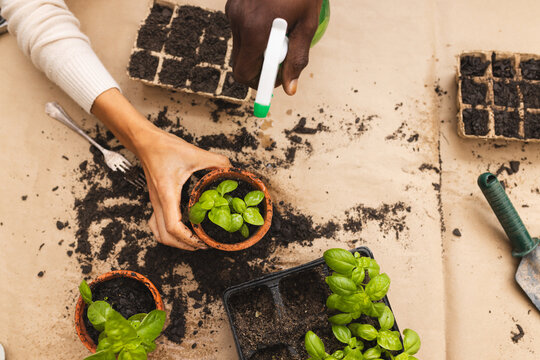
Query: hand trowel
x=525, y=247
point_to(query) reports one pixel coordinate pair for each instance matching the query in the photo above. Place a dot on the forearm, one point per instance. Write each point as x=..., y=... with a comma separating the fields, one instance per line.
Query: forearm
x=131, y=128
x=49, y=34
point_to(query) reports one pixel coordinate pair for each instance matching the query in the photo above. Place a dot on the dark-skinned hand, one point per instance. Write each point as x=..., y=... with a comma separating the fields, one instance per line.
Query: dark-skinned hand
x=251, y=21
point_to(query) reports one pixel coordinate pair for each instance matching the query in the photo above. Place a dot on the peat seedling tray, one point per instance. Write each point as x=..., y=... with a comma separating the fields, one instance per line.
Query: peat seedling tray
x=499, y=96
x=186, y=48
x=270, y=316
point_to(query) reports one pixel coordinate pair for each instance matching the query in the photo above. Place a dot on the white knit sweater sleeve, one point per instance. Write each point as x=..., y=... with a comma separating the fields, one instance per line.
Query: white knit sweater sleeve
x=49, y=34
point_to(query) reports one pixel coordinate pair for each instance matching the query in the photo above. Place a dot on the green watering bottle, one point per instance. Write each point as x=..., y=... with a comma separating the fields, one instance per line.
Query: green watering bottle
x=276, y=51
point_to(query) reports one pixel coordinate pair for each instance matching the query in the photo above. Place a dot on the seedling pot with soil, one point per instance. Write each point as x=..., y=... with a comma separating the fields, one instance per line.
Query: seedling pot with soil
x=230, y=209
x=277, y=316
x=122, y=292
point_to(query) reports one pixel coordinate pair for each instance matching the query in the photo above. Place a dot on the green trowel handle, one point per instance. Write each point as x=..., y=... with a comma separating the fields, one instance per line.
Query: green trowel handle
x=522, y=242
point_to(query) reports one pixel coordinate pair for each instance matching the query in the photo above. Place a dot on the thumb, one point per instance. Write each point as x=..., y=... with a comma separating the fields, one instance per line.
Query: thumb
x=297, y=57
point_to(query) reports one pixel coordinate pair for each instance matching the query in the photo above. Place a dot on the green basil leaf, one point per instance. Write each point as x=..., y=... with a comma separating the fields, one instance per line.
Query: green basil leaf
x=402, y=356
x=364, y=331
x=221, y=201
x=354, y=354
x=244, y=231
x=220, y=217
x=373, y=353
x=197, y=213
x=118, y=329
x=148, y=346
x=98, y=313
x=358, y=275
x=253, y=216
x=85, y=291
x=137, y=353
x=386, y=320
x=239, y=205
x=209, y=195
x=411, y=341
x=102, y=355
x=378, y=287
x=374, y=309
x=370, y=265
x=236, y=222
x=360, y=300
x=314, y=346
x=389, y=340
x=338, y=354
x=207, y=205
x=335, y=302
x=253, y=198
x=341, y=285
x=136, y=319
x=339, y=260
x=227, y=186
x=104, y=343
x=152, y=325
x=340, y=319
x=342, y=333
x=228, y=198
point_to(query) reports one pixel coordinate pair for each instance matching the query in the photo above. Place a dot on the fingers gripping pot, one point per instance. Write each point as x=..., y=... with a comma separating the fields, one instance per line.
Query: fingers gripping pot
x=216, y=176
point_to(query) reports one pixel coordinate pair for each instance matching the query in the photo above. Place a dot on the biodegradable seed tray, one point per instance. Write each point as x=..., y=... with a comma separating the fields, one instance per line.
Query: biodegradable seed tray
x=186, y=48
x=270, y=316
x=499, y=96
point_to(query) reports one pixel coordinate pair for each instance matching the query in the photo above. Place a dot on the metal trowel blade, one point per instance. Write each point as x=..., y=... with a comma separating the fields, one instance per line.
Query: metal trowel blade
x=528, y=276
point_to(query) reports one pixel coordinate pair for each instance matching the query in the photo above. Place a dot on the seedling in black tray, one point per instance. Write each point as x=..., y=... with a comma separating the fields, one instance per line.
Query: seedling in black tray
x=271, y=316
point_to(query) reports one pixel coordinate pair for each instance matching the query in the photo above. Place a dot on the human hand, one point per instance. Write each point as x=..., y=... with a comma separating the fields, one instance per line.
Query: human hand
x=251, y=22
x=168, y=162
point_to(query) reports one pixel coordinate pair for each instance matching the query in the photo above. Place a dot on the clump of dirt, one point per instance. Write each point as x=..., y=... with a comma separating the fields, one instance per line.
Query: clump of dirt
x=390, y=217
x=517, y=336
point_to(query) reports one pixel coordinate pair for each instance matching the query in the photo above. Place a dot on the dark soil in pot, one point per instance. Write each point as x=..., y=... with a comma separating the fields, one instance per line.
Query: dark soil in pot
x=254, y=309
x=473, y=66
x=531, y=95
x=507, y=123
x=218, y=233
x=127, y=296
x=276, y=352
x=505, y=94
x=502, y=67
x=530, y=69
x=476, y=122
x=143, y=65
x=472, y=92
x=532, y=126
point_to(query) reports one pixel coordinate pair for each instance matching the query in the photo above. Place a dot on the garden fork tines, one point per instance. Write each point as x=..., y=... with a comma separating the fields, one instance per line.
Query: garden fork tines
x=114, y=160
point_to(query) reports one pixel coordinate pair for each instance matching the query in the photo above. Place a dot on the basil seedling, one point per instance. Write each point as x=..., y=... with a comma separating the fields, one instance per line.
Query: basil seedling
x=119, y=337
x=353, y=295
x=230, y=213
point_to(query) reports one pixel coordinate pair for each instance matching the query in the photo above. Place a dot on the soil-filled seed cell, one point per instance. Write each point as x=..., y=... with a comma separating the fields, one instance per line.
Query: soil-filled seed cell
x=205, y=79
x=152, y=37
x=233, y=89
x=531, y=95
x=277, y=352
x=505, y=94
x=473, y=66
x=472, y=92
x=476, y=122
x=175, y=72
x=219, y=26
x=186, y=30
x=143, y=65
x=530, y=69
x=532, y=126
x=159, y=15
x=213, y=50
x=502, y=67
x=254, y=316
x=507, y=123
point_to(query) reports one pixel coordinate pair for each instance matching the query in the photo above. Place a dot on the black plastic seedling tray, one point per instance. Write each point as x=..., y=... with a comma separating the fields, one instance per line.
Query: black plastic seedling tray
x=262, y=322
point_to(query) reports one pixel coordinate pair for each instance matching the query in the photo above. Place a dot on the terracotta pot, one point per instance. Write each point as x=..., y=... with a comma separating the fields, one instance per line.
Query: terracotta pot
x=81, y=305
x=233, y=174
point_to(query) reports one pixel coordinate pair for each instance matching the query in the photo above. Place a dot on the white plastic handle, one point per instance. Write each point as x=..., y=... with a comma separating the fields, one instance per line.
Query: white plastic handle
x=275, y=53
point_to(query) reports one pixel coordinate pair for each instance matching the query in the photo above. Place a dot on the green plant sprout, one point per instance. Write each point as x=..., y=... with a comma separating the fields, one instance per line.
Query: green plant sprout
x=353, y=296
x=127, y=339
x=229, y=213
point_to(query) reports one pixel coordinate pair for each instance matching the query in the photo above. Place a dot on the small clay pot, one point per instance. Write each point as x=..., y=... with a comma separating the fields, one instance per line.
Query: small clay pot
x=81, y=305
x=233, y=174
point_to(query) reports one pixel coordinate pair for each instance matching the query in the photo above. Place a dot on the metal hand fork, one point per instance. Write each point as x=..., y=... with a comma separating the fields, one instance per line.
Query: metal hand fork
x=114, y=160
